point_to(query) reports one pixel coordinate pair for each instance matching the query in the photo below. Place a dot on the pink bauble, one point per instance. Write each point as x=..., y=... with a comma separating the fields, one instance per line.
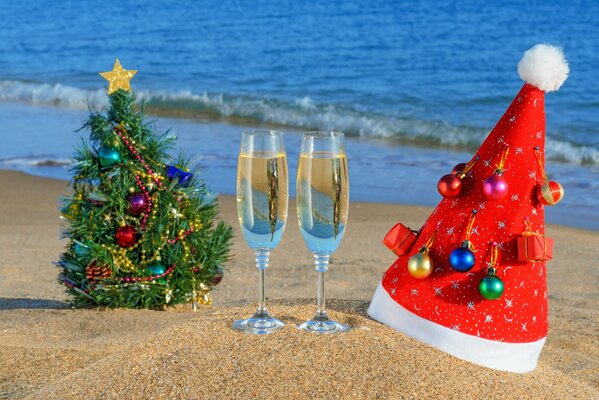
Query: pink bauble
x=495, y=187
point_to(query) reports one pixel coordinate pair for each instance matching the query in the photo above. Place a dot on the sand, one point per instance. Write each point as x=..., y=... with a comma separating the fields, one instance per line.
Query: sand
x=50, y=351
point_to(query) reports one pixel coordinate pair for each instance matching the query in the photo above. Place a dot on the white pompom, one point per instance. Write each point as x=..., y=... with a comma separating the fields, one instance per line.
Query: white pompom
x=544, y=66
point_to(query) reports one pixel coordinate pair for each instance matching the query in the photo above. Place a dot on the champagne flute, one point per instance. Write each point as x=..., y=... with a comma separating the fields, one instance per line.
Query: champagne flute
x=322, y=206
x=262, y=199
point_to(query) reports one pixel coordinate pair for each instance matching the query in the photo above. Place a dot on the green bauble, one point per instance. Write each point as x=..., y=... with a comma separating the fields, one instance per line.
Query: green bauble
x=156, y=269
x=491, y=287
x=109, y=156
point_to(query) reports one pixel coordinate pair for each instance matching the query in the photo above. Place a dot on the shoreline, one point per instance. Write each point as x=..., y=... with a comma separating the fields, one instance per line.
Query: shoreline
x=380, y=172
x=425, y=206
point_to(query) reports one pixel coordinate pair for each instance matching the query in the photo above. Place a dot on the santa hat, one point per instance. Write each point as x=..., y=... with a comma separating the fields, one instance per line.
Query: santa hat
x=485, y=302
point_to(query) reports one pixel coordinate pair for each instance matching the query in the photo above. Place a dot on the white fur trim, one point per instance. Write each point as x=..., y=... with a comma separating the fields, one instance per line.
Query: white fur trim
x=544, y=66
x=511, y=357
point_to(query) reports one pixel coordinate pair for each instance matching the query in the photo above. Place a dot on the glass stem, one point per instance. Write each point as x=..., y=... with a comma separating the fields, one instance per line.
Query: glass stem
x=262, y=257
x=322, y=265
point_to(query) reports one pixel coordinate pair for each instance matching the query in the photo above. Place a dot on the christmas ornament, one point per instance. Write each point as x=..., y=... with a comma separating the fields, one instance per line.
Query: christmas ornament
x=420, y=265
x=400, y=239
x=462, y=259
x=109, y=156
x=126, y=236
x=447, y=310
x=168, y=295
x=175, y=173
x=218, y=277
x=495, y=187
x=491, y=287
x=459, y=168
x=118, y=78
x=137, y=204
x=549, y=193
x=450, y=185
x=532, y=246
x=81, y=250
x=95, y=272
x=156, y=269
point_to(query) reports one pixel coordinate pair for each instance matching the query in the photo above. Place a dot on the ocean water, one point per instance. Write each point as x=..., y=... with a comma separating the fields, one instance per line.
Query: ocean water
x=417, y=86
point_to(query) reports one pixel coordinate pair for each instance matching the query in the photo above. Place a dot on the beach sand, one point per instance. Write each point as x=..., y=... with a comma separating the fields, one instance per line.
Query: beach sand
x=50, y=351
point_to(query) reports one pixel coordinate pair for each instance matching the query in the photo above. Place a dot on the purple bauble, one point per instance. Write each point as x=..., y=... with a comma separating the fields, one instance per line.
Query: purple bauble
x=495, y=187
x=137, y=204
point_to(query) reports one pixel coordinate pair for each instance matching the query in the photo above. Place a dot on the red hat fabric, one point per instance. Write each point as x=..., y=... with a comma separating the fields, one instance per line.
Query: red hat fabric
x=446, y=308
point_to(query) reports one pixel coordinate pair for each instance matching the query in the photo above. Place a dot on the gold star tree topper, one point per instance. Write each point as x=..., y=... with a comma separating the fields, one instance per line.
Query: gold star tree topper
x=118, y=78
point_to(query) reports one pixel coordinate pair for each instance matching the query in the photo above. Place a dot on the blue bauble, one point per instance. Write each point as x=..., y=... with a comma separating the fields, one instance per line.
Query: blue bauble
x=156, y=269
x=80, y=250
x=176, y=173
x=109, y=156
x=462, y=259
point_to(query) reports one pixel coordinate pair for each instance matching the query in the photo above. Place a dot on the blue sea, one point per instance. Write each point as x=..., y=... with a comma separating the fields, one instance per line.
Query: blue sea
x=415, y=85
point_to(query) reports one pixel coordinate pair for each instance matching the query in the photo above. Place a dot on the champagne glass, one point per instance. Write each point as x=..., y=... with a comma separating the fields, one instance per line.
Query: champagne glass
x=322, y=206
x=262, y=199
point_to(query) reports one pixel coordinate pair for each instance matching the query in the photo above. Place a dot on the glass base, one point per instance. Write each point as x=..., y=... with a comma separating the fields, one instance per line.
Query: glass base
x=261, y=323
x=323, y=325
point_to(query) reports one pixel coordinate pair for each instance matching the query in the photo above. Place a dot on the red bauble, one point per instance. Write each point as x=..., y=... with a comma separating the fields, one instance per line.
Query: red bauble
x=550, y=193
x=459, y=168
x=126, y=236
x=218, y=277
x=449, y=186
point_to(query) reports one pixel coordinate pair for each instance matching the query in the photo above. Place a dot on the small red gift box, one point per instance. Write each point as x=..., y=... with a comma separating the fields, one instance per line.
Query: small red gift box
x=400, y=239
x=534, y=247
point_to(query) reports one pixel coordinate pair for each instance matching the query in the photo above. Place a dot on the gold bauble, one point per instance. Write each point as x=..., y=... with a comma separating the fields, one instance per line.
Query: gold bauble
x=420, y=265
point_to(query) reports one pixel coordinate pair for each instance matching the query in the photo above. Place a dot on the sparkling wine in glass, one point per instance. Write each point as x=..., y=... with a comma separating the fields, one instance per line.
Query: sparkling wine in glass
x=262, y=199
x=322, y=206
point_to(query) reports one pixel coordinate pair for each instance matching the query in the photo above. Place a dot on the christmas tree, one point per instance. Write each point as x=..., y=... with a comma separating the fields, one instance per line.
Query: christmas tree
x=472, y=282
x=141, y=228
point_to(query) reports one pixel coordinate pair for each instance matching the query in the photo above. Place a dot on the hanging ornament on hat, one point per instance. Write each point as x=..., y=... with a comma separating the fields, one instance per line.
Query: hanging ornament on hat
x=491, y=286
x=462, y=259
x=126, y=236
x=459, y=168
x=532, y=246
x=450, y=185
x=549, y=193
x=420, y=265
x=496, y=187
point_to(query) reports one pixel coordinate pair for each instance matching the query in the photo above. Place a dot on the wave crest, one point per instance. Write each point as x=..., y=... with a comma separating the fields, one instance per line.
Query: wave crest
x=302, y=113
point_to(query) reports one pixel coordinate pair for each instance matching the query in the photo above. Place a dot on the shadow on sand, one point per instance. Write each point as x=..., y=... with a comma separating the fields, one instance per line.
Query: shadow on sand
x=31, y=304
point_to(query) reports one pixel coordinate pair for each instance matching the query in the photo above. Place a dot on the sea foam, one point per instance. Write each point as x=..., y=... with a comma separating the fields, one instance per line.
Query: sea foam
x=301, y=114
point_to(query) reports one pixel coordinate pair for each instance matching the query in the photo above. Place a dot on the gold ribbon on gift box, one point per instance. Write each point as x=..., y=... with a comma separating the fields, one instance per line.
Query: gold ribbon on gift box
x=528, y=232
